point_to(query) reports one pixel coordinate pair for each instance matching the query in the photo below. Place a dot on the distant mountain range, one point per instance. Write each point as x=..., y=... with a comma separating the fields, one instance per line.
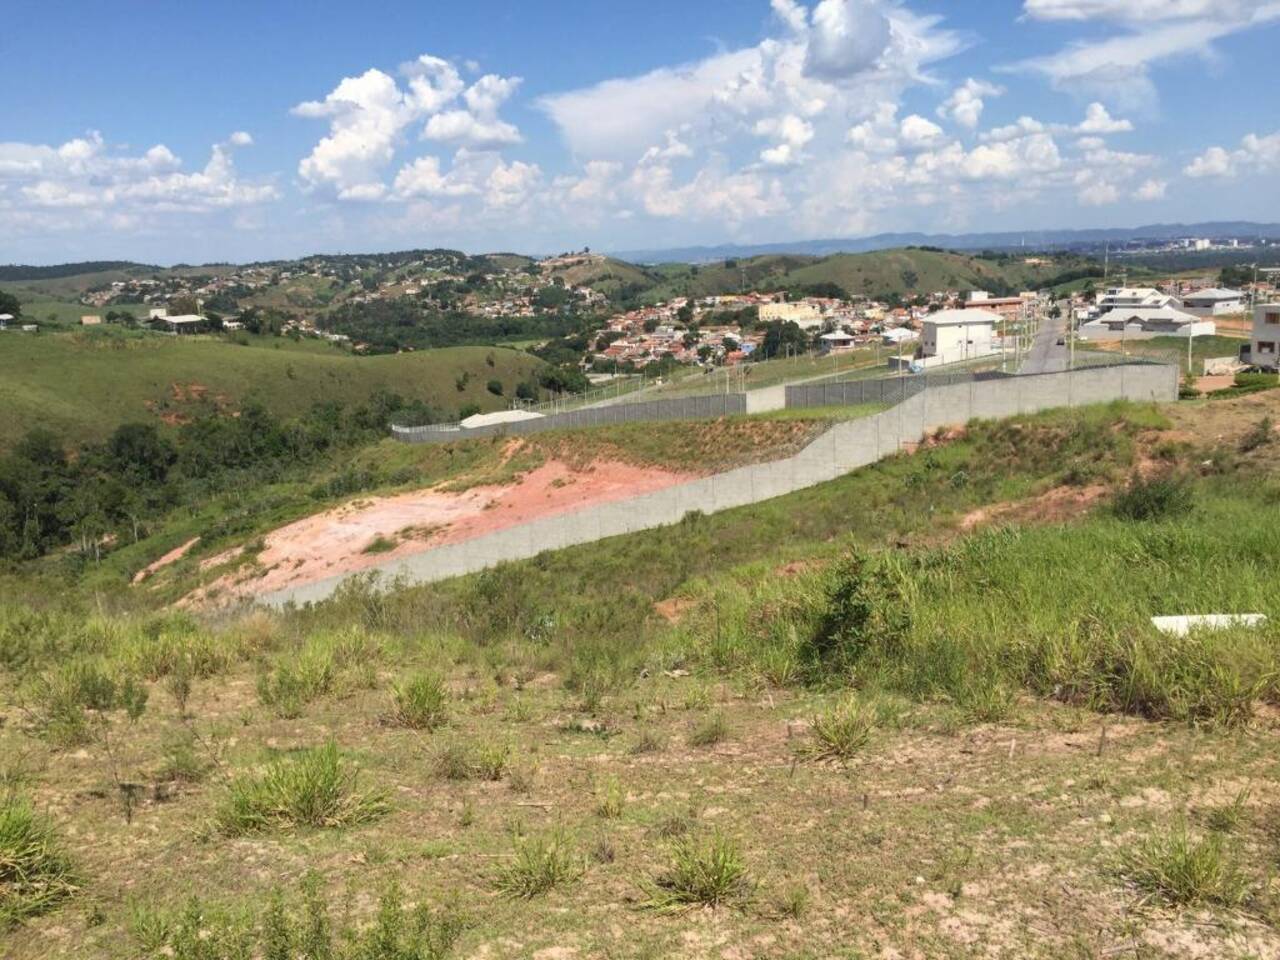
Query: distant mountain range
x=1005, y=240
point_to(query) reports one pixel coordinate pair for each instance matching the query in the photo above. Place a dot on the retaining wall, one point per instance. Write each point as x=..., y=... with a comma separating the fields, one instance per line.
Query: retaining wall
x=843, y=448
x=680, y=408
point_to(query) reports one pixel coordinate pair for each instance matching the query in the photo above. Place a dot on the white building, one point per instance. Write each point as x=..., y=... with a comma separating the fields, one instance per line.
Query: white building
x=1213, y=302
x=1134, y=297
x=896, y=336
x=1264, y=343
x=1146, y=321
x=804, y=315
x=836, y=341
x=952, y=336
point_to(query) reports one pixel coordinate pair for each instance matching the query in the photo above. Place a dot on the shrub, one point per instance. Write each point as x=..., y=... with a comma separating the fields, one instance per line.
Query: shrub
x=1260, y=434
x=1180, y=869
x=494, y=387
x=315, y=788
x=540, y=864
x=842, y=731
x=707, y=872
x=421, y=703
x=326, y=663
x=35, y=875
x=866, y=608
x=1153, y=498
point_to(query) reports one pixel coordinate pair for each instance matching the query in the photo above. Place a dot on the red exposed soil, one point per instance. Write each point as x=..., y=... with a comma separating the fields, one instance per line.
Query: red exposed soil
x=1053, y=506
x=173, y=556
x=335, y=542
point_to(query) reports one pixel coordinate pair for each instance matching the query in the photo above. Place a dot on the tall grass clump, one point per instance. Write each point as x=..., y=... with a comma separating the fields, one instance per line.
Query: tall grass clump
x=328, y=662
x=707, y=871
x=1159, y=497
x=487, y=759
x=314, y=788
x=841, y=732
x=539, y=865
x=1180, y=869
x=421, y=703
x=35, y=875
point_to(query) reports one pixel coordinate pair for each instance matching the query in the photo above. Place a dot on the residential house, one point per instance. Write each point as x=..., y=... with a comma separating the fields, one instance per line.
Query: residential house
x=1264, y=343
x=952, y=336
x=1213, y=302
x=1146, y=321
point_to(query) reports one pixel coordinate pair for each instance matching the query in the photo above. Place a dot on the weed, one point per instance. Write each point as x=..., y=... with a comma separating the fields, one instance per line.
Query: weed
x=539, y=865
x=610, y=799
x=604, y=850
x=1179, y=869
x=842, y=731
x=1227, y=818
x=34, y=872
x=709, y=731
x=422, y=702
x=647, y=740
x=379, y=544
x=792, y=901
x=315, y=788
x=181, y=762
x=704, y=871
x=486, y=760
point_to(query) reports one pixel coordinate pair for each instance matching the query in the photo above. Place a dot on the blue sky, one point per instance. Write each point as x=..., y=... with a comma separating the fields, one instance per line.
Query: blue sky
x=192, y=132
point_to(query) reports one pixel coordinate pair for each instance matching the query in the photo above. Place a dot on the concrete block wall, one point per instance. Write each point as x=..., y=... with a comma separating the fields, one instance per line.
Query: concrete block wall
x=845, y=447
x=681, y=408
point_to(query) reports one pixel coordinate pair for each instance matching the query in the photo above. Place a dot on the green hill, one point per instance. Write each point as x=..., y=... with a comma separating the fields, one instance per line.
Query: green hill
x=82, y=385
x=611, y=277
x=905, y=272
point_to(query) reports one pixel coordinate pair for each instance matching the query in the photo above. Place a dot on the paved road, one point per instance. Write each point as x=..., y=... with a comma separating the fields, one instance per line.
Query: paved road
x=1046, y=355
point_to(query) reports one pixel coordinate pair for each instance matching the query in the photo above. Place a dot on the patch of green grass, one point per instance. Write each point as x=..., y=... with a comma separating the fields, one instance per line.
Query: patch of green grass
x=1182, y=870
x=313, y=788
x=422, y=702
x=704, y=871
x=35, y=874
x=486, y=759
x=710, y=730
x=538, y=865
x=379, y=544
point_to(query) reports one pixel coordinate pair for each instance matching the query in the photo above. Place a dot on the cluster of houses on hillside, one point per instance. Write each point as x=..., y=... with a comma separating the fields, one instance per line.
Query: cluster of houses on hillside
x=1146, y=311
x=938, y=328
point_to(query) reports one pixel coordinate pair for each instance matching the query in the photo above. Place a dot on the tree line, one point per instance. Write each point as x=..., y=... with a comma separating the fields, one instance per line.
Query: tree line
x=110, y=492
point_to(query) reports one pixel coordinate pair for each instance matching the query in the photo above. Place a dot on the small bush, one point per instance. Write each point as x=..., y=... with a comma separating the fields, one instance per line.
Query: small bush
x=707, y=872
x=647, y=740
x=540, y=864
x=315, y=788
x=842, y=731
x=1153, y=498
x=181, y=762
x=422, y=702
x=35, y=875
x=1260, y=434
x=866, y=608
x=709, y=731
x=1180, y=869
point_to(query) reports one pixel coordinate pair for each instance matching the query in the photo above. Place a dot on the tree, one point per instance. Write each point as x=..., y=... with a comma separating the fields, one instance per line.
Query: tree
x=10, y=304
x=779, y=335
x=685, y=313
x=183, y=305
x=494, y=387
x=137, y=452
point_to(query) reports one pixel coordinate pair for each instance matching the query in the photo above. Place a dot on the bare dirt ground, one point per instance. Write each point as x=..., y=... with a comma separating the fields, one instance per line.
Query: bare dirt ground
x=173, y=556
x=369, y=531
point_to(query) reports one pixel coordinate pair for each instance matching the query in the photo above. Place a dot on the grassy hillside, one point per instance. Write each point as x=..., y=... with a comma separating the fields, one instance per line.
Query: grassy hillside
x=609, y=276
x=905, y=272
x=82, y=385
x=921, y=690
